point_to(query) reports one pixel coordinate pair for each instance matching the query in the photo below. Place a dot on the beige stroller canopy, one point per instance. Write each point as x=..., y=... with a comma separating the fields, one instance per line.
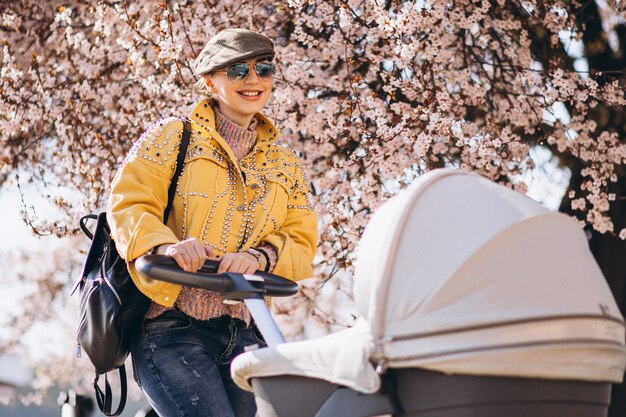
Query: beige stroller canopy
x=460, y=275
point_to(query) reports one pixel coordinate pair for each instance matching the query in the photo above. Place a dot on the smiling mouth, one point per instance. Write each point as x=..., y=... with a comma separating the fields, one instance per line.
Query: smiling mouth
x=249, y=93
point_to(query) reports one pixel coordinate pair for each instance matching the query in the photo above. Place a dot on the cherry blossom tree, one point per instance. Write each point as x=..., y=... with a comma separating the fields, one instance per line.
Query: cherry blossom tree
x=370, y=93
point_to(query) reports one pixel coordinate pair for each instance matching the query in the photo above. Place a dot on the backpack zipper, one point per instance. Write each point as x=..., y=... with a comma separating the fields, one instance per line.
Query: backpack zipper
x=82, y=321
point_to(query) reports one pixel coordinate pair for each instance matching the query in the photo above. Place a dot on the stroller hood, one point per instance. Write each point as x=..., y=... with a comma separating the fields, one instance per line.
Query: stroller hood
x=461, y=275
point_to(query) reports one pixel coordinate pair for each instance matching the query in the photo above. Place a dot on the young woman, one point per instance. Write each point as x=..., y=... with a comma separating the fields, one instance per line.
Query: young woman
x=241, y=199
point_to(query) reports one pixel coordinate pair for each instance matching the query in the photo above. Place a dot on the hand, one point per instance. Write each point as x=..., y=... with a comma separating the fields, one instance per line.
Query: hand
x=188, y=254
x=240, y=262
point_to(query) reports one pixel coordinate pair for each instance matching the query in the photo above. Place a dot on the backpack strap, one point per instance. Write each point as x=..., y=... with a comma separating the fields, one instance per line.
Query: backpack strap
x=104, y=398
x=180, y=162
x=83, y=224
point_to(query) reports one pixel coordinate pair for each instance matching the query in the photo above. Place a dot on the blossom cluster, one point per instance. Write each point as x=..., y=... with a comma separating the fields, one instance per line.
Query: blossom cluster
x=368, y=94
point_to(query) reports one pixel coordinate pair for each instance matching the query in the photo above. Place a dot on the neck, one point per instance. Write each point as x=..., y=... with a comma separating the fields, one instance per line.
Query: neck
x=241, y=140
x=241, y=119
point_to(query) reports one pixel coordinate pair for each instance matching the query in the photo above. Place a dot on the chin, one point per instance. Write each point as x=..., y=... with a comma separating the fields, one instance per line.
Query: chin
x=253, y=108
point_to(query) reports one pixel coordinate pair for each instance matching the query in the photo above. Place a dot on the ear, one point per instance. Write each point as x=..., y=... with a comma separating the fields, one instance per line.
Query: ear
x=209, y=83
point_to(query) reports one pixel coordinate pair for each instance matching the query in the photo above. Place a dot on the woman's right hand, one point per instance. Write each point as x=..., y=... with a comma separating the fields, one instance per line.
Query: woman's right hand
x=189, y=254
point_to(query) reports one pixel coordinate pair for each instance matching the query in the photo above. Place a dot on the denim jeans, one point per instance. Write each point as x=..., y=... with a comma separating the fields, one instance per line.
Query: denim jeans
x=183, y=365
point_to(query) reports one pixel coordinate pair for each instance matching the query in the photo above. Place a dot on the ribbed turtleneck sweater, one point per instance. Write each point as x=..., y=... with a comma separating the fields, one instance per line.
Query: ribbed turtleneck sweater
x=240, y=140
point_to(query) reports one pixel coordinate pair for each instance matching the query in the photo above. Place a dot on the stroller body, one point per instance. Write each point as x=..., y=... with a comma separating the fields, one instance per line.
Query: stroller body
x=474, y=301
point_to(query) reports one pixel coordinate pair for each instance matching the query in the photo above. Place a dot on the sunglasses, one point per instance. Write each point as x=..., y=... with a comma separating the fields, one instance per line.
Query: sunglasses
x=240, y=70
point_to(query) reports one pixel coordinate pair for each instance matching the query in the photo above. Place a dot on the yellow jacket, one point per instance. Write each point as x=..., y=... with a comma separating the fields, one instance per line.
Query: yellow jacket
x=227, y=204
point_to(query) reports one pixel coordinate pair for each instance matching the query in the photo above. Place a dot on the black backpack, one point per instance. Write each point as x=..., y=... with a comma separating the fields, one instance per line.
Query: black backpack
x=111, y=306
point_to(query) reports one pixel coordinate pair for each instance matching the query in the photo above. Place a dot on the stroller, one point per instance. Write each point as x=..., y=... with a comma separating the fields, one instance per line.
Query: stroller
x=474, y=301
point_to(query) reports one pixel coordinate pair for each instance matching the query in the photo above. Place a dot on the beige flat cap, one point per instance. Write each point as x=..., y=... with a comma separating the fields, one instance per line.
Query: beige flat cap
x=230, y=46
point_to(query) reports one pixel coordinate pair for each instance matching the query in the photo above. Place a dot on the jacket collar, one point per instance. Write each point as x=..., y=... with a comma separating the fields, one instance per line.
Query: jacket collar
x=204, y=116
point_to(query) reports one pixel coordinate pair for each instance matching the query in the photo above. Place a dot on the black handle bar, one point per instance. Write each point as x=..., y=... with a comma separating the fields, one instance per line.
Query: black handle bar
x=232, y=285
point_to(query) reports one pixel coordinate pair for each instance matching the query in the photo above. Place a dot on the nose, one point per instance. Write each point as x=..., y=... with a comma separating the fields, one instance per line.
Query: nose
x=252, y=78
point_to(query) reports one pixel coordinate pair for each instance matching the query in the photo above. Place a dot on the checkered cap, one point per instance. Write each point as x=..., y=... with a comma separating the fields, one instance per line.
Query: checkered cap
x=231, y=46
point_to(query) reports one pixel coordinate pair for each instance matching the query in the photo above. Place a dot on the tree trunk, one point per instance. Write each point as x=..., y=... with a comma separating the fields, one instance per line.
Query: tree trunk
x=609, y=250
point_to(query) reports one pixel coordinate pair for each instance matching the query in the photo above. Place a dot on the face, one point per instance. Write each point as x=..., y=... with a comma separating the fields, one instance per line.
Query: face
x=242, y=98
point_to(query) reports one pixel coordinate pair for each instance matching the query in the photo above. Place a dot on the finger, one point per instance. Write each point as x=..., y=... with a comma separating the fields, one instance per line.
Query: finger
x=198, y=255
x=251, y=263
x=248, y=263
x=242, y=263
x=187, y=258
x=225, y=264
x=195, y=251
x=209, y=252
x=236, y=266
x=177, y=257
x=252, y=268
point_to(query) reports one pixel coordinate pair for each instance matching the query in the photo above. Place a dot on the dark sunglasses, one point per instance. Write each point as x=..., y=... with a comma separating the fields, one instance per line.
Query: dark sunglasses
x=240, y=70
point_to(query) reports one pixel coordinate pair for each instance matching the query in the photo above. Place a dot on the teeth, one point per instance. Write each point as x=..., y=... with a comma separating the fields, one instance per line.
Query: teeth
x=250, y=93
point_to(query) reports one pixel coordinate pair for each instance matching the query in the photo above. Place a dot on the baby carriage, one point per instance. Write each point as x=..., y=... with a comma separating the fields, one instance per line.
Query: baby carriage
x=474, y=301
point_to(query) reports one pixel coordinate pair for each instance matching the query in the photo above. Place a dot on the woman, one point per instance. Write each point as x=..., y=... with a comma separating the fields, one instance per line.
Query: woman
x=241, y=199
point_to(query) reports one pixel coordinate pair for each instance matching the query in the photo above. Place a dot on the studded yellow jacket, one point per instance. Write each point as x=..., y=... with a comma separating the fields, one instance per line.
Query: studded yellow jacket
x=228, y=204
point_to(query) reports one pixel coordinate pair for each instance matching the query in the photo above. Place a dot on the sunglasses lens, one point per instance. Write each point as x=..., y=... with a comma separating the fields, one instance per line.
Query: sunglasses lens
x=237, y=72
x=265, y=69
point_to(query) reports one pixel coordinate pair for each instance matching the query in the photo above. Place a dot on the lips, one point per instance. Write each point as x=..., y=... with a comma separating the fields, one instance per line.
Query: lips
x=250, y=94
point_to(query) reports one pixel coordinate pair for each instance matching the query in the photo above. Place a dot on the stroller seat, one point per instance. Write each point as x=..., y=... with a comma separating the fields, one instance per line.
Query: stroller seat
x=340, y=358
x=475, y=301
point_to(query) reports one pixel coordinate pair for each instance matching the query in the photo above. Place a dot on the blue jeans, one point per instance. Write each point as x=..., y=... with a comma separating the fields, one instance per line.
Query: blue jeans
x=183, y=365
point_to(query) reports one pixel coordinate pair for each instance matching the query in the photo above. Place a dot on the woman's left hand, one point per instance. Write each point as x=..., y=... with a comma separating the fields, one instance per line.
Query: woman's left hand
x=239, y=262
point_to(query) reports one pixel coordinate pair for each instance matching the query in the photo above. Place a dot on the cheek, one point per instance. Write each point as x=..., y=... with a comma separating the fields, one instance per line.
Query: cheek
x=225, y=93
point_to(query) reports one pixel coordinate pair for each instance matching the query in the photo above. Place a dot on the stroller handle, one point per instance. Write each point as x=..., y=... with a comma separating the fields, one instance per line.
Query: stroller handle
x=231, y=285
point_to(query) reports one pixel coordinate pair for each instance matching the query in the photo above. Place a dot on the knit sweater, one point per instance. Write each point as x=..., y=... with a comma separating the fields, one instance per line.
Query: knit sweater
x=200, y=303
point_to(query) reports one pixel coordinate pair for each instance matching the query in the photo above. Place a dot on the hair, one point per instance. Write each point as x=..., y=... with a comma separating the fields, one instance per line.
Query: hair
x=201, y=87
